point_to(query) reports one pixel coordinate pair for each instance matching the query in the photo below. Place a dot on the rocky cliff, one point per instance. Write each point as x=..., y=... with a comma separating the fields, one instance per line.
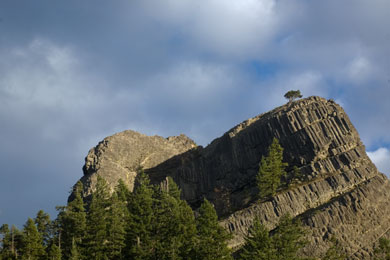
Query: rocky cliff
x=343, y=194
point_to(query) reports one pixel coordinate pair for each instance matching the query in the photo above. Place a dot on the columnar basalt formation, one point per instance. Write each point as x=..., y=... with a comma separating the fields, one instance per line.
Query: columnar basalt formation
x=342, y=195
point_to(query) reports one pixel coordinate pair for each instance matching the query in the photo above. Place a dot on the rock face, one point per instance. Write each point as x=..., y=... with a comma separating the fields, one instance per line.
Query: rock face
x=119, y=157
x=344, y=195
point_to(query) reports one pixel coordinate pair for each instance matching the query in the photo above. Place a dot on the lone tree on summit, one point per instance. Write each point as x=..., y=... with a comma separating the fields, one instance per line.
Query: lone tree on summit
x=292, y=95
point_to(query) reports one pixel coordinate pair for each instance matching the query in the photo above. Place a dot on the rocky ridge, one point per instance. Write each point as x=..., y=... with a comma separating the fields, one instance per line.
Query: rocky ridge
x=343, y=194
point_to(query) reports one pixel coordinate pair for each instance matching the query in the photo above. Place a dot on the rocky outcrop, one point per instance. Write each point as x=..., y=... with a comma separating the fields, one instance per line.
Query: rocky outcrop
x=343, y=194
x=119, y=157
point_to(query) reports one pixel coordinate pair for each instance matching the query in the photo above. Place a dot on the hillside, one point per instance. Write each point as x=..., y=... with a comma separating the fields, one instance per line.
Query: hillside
x=342, y=195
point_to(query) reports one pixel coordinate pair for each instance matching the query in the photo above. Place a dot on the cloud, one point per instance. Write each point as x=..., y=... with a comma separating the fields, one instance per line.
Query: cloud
x=171, y=67
x=381, y=158
x=229, y=28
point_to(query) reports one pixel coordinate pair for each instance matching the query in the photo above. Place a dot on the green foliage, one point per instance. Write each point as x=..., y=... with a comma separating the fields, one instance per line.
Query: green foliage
x=116, y=224
x=335, y=251
x=74, y=252
x=272, y=169
x=32, y=243
x=173, y=189
x=293, y=94
x=212, y=238
x=288, y=238
x=12, y=241
x=382, y=251
x=285, y=243
x=139, y=233
x=150, y=223
x=97, y=220
x=43, y=223
x=258, y=244
x=71, y=221
x=54, y=252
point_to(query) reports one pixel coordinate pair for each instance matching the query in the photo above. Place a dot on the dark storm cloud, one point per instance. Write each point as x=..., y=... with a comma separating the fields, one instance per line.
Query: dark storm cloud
x=73, y=72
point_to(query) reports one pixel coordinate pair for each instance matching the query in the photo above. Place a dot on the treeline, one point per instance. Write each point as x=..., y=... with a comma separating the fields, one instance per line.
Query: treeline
x=152, y=222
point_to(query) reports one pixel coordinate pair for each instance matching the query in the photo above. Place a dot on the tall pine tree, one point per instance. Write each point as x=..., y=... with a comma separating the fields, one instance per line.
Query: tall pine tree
x=32, y=246
x=174, y=224
x=139, y=239
x=54, y=252
x=258, y=244
x=272, y=169
x=116, y=227
x=212, y=238
x=72, y=221
x=289, y=238
x=43, y=223
x=97, y=221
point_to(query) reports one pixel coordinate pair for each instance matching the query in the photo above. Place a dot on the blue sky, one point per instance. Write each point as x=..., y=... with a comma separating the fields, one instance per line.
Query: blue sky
x=73, y=72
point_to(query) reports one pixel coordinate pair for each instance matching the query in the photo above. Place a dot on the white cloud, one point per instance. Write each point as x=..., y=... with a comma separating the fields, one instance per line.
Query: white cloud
x=227, y=27
x=43, y=74
x=381, y=158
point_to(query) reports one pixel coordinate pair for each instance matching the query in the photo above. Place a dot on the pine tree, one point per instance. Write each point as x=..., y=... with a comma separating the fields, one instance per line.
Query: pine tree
x=272, y=169
x=43, y=223
x=71, y=221
x=97, y=220
x=74, y=252
x=174, y=224
x=32, y=242
x=116, y=223
x=122, y=191
x=139, y=239
x=54, y=252
x=258, y=244
x=185, y=225
x=212, y=238
x=292, y=95
x=288, y=239
x=11, y=243
x=6, y=251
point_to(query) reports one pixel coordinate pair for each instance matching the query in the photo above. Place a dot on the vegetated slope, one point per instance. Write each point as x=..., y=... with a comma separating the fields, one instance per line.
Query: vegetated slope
x=342, y=195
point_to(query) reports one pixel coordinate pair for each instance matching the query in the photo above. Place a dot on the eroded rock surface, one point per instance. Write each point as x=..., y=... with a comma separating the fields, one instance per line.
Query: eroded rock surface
x=343, y=195
x=119, y=156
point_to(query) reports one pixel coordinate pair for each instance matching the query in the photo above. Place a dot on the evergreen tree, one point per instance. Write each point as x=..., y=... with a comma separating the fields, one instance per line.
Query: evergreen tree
x=116, y=223
x=74, y=252
x=292, y=95
x=123, y=193
x=173, y=189
x=185, y=225
x=71, y=221
x=97, y=220
x=7, y=249
x=174, y=224
x=212, y=238
x=32, y=247
x=139, y=239
x=288, y=239
x=43, y=223
x=272, y=169
x=258, y=244
x=54, y=252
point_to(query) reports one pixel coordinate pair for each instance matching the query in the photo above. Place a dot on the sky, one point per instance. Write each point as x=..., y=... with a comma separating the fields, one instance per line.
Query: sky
x=73, y=72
